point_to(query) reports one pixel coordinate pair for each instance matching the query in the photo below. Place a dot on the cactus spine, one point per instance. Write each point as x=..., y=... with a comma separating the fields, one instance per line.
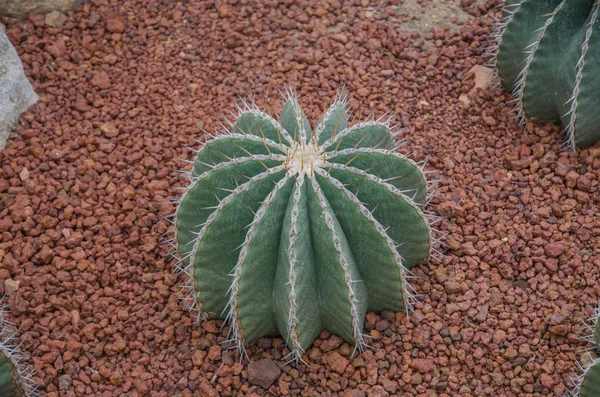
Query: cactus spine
x=285, y=230
x=587, y=381
x=15, y=375
x=547, y=52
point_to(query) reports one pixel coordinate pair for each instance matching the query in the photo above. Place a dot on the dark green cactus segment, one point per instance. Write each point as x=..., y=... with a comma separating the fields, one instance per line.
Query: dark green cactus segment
x=522, y=29
x=261, y=125
x=590, y=386
x=206, y=192
x=341, y=290
x=216, y=253
x=547, y=55
x=225, y=148
x=9, y=378
x=258, y=264
x=586, y=118
x=293, y=241
x=370, y=134
x=565, y=30
x=393, y=210
x=395, y=169
x=296, y=283
x=377, y=263
x=293, y=118
x=333, y=122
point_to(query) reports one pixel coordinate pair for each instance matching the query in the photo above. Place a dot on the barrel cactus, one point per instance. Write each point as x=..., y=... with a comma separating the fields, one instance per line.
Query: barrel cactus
x=288, y=230
x=596, y=330
x=587, y=379
x=15, y=375
x=590, y=380
x=547, y=52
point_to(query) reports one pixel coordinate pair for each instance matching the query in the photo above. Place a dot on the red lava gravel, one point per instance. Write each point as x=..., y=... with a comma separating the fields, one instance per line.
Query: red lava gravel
x=125, y=84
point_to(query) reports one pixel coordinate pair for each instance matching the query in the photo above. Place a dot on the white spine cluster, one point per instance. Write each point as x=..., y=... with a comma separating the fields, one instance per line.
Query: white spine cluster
x=341, y=99
x=10, y=349
x=290, y=95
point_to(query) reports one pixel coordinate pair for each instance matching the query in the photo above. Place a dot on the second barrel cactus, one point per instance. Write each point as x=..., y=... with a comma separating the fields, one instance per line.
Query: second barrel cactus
x=15, y=375
x=590, y=381
x=548, y=53
x=288, y=230
x=587, y=380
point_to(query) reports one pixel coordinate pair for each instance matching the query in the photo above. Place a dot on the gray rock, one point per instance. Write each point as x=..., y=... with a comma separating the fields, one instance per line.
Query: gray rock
x=20, y=8
x=64, y=382
x=263, y=373
x=523, y=284
x=16, y=94
x=55, y=19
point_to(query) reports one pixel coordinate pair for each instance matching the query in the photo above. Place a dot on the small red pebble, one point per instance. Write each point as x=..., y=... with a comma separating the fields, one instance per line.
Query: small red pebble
x=554, y=250
x=115, y=24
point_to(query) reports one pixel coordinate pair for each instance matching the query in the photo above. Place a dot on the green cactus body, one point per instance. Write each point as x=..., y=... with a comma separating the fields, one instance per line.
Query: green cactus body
x=597, y=335
x=290, y=231
x=9, y=384
x=15, y=375
x=590, y=385
x=548, y=56
x=586, y=381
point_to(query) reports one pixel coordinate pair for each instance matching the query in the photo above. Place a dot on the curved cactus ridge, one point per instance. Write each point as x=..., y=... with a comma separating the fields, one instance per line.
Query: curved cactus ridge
x=590, y=385
x=15, y=375
x=548, y=54
x=288, y=230
x=597, y=335
x=587, y=377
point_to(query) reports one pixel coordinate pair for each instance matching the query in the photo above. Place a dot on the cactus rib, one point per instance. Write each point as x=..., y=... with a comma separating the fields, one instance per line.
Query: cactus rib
x=293, y=326
x=579, y=77
x=408, y=293
x=236, y=330
x=521, y=85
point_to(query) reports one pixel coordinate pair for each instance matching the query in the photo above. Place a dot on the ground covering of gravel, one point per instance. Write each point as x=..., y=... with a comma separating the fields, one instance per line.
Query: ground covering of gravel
x=125, y=84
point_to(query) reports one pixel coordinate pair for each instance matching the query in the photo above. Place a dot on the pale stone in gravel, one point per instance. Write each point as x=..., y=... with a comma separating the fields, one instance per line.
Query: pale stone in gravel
x=16, y=94
x=64, y=382
x=55, y=19
x=20, y=8
x=24, y=174
x=11, y=286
